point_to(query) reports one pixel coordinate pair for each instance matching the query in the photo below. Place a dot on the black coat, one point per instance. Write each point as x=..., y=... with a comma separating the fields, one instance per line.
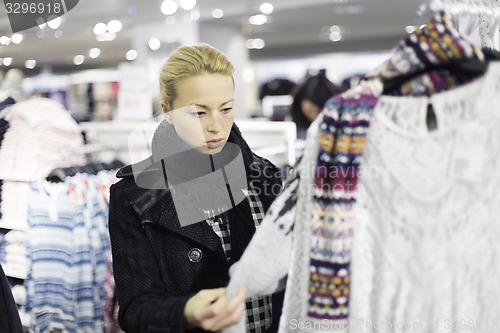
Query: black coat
x=153, y=255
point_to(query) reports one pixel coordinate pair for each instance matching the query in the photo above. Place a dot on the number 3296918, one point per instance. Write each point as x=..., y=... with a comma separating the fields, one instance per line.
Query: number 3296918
x=34, y=8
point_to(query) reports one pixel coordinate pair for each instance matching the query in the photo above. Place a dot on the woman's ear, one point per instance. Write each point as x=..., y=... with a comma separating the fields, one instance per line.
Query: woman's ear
x=168, y=114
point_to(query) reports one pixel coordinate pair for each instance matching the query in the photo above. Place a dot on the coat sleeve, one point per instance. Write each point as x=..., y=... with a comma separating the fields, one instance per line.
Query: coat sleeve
x=145, y=304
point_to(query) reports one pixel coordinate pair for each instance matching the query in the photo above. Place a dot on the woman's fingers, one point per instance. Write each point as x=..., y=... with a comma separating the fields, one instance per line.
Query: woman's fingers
x=232, y=312
x=205, y=304
x=210, y=309
x=231, y=318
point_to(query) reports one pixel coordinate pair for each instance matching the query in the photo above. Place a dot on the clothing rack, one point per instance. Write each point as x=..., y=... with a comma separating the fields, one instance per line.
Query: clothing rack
x=90, y=149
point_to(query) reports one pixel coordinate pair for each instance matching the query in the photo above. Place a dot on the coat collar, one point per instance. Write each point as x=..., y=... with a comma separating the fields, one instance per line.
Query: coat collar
x=164, y=215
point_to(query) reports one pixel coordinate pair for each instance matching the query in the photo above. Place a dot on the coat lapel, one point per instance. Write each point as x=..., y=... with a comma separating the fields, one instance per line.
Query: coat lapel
x=200, y=233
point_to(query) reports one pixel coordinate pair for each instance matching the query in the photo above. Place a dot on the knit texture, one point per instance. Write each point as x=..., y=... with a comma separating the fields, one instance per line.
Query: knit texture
x=424, y=255
x=318, y=260
x=342, y=139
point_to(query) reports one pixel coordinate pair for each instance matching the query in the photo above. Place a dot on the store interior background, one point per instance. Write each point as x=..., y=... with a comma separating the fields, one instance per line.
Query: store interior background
x=106, y=71
x=101, y=60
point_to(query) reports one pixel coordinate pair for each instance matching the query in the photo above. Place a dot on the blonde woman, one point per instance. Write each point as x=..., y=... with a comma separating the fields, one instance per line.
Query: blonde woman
x=181, y=218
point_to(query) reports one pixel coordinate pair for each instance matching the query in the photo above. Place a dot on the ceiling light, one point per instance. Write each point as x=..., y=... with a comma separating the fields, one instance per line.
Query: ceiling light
x=78, y=60
x=266, y=8
x=30, y=64
x=58, y=33
x=114, y=26
x=187, y=4
x=410, y=28
x=131, y=55
x=17, y=38
x=154, y=43
x=195, y=14
x=335, y=36
x=106, y=37
x=132, y=10
x=100, y=28
x=256, y=43
x=4, y=40
x=168, y=7
x=259, y=43
x=170, y=20
x=55, y=23
x=258, y=19
x=217, y=13
x=7, y=61
x=335, y=29
x=94, y=52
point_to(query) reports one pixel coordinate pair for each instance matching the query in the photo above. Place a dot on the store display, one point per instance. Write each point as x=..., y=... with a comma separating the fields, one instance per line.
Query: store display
x=388, y=217
x=319, y=283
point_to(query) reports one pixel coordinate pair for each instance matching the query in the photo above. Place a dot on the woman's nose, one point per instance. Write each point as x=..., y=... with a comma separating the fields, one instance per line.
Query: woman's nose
x=214, y=123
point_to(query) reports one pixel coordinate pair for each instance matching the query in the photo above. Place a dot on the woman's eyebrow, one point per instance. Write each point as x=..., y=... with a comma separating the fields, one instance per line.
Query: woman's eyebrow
x=227, y=102
x=206, y=107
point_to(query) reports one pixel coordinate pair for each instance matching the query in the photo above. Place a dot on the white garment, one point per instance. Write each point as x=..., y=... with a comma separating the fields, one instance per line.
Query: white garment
x=269, y=254
x=478, y=20
x=426, y=256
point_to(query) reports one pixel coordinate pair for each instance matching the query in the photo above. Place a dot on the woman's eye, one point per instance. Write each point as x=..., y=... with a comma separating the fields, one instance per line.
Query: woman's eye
x=197, y=114
x=227, y=110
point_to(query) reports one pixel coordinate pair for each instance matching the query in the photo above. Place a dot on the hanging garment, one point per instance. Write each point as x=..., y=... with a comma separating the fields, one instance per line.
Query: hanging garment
x=318, y=286
x=425, y=254
x=38, y=130
x=68, y=249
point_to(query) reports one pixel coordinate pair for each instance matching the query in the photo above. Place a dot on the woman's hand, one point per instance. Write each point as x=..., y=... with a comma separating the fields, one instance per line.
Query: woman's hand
x=212, y=311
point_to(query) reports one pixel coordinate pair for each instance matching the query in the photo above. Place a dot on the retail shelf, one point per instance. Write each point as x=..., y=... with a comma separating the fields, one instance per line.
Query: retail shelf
x=18, y=178
x=14, y=273
x=13, y=225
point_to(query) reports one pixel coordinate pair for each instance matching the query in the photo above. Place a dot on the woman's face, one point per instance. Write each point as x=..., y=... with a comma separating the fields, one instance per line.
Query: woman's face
x=310, y=109
x=203, y=111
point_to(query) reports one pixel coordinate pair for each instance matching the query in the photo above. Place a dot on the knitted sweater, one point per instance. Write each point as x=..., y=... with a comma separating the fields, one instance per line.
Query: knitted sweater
x=317, y=261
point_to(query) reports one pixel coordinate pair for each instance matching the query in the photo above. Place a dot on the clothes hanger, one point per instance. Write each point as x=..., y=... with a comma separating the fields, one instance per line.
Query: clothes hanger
x=469, y=67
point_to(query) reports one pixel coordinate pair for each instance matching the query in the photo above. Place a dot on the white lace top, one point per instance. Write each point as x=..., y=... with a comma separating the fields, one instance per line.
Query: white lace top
x=426, y=253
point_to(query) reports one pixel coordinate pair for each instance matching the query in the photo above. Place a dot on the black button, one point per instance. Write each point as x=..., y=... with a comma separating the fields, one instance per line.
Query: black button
x=194, y=255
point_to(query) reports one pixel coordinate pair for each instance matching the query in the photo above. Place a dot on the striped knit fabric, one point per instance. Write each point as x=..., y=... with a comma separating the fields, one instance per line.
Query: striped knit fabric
x=342, y=137
x=67, y=244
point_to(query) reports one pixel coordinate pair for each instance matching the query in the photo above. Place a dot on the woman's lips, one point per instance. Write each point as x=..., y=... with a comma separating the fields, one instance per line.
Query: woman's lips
x=214, y=144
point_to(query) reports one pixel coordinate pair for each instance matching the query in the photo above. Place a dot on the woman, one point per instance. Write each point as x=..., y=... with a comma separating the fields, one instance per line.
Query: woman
x=178, y=220
x=309, y=97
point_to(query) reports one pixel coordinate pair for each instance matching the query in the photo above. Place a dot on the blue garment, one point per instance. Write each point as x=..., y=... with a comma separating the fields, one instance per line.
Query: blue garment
x=67, y=244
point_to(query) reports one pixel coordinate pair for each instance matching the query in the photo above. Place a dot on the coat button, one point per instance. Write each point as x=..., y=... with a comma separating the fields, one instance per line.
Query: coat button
x=194, y=255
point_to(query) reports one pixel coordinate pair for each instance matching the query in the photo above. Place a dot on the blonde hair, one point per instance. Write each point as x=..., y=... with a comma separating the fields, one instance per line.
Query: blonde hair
x=189, y=61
